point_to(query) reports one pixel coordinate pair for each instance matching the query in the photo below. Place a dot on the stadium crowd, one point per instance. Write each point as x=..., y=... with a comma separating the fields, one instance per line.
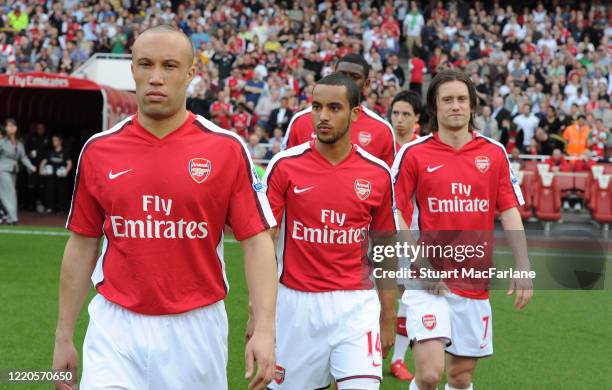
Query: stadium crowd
x=543, y=74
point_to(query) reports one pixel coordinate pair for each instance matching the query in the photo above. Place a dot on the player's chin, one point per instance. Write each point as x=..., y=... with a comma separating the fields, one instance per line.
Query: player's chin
x=156, y=111
x=326, y=139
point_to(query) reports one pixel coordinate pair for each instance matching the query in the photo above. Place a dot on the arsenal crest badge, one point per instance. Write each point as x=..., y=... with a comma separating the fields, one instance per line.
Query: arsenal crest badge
x=199, y=169
x=279, y=375
x=365, y=138
x=429, y=321
x=482, y=163
x=362, y=189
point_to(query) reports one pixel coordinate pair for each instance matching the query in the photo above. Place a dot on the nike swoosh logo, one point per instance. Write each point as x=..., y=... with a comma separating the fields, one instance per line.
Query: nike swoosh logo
x=430, y=169
x=300, y=190
x=376, y=365
x=113, y=176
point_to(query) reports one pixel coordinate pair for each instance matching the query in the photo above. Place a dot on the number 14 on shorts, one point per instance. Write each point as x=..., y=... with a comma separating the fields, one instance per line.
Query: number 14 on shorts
x=374, y=349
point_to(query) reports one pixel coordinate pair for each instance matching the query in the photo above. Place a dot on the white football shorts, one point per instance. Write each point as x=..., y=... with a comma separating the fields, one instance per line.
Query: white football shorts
x=464, y=324
x=127, y=350
x=322, y=336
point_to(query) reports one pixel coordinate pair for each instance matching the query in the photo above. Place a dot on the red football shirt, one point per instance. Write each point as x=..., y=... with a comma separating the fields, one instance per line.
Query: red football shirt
x=374, y=134
x=161, y=205
x=454, y=190
x=327, y=215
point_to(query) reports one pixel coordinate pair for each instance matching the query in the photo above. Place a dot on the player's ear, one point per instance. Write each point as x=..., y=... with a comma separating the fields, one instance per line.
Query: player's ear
x=355, y=111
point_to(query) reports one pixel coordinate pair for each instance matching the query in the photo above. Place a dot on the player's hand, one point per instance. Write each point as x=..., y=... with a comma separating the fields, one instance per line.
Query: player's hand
x=66, y=358
x=33, y=170
x=260, y=350
x=250, y=328
x=524, y=291
x=387, y=331
x=435, y=287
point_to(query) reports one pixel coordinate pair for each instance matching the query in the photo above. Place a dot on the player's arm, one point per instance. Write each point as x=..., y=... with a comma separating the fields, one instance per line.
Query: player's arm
x=77, y=266
x=260, y=270
x=515, y=233
x=384, y=228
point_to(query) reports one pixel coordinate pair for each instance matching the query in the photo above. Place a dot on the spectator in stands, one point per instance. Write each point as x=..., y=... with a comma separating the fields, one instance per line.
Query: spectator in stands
x=256, y=150
x=487, y=124
x=584, y=163
x=280, y=117
x=515, y=157
x=577, y=135
x=557, y=162
x=550, y=123
x=413, y=24
x=499, y=111
x=11, y=153
x=526, y=122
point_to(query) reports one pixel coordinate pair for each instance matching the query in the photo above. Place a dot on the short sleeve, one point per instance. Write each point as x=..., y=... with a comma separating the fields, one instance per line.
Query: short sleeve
x=86, y=215
x=384, y=218
x=405, y=178
x=249, y=210
x=509, y=193
x=276, y=188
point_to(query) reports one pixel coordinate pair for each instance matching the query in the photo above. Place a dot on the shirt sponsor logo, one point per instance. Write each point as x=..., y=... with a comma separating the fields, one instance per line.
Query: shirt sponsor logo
x=433, y=169
x=364, y=138
x=362, y=188
x=482, y=163
x=333, y=230
x=461, y=201
x=429, y=321
x=199, y=169
x=158, y=222
x=300, y=190
x=113, y=176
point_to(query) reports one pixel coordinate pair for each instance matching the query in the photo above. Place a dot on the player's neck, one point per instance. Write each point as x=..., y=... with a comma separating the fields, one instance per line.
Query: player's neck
x=335, y=153
x=162, y=127
x=455, y=138
x=405, y=138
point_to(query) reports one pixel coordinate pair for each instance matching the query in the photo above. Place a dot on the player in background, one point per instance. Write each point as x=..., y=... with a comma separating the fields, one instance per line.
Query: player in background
x=456, y=179
x=404, y=113
x=159, y=188
x=331, y=196
x=370, y=131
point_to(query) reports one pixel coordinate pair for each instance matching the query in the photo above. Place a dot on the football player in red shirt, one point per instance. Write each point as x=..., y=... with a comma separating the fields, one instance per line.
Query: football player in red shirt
x=370, y=131
x=404, y=112
x=455, y=179
x=331, y=196
x=159, y=188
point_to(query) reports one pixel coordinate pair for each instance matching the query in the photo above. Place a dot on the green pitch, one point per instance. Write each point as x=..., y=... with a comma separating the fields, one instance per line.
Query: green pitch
x=563, y=340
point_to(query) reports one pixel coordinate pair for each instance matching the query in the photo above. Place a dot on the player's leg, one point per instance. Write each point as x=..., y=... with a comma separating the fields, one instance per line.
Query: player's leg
x=302, y=347
x=429, y=330
x=399, y=367
x=459, y=372
x=428, y=363
x=189, y=350
x=471, y=321
x=356, y=358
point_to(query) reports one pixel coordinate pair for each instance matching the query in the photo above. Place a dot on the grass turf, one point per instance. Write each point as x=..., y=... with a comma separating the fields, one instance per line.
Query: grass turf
x=562, y=340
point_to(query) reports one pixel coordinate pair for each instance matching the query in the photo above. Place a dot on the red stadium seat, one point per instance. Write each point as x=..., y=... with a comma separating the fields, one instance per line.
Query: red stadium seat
x=565, y=182
x=602, y=200
x=526, y=180
x=531, y=165
x=547, y=199
x=591, y=186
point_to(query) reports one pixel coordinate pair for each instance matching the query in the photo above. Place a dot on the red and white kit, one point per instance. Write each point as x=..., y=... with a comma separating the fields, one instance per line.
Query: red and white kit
x=328, y=310
x=454, y=190
x=160, y=206
x=374, y=134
